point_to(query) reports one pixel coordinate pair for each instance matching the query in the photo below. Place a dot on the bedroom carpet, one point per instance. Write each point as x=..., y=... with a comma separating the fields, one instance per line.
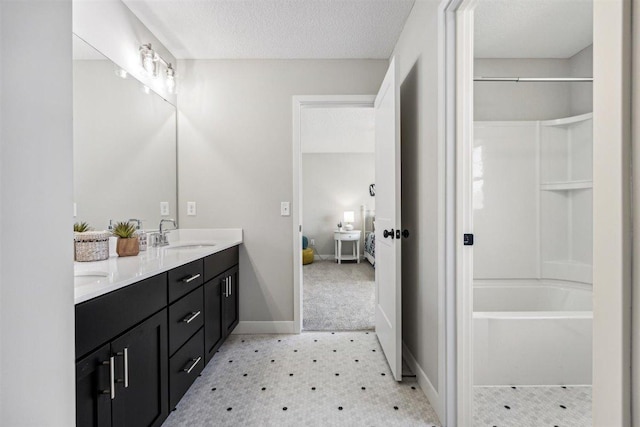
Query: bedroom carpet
x=338, y=297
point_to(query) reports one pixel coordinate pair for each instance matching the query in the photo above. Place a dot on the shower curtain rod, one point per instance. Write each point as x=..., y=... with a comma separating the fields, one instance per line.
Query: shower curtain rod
x=535, y=79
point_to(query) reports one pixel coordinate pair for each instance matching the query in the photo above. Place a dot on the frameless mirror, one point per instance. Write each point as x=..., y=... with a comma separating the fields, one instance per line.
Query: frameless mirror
x=124, y=144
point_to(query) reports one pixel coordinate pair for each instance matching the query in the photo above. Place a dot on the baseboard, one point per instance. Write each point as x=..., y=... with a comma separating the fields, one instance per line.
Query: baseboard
x=323, y=257
x=423, y=381
x=275, y=327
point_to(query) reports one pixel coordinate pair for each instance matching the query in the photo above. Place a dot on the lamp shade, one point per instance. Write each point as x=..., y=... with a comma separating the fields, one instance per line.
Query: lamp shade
x=349, y=216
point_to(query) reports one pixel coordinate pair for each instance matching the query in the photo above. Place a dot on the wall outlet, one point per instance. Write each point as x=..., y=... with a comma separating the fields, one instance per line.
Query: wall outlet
x=312, y=242
x=285, y=209
x=164, y=208
x=191, y=208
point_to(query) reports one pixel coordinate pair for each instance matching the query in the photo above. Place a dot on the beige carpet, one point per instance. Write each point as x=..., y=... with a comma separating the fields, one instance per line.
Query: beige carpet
x=338, y=297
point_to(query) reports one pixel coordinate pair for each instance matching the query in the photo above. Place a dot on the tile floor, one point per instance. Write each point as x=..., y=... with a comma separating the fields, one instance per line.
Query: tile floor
x=311, y=379
x=528, y=406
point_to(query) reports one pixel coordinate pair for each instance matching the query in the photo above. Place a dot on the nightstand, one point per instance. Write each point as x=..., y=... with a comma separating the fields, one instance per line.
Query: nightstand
x=352, y=236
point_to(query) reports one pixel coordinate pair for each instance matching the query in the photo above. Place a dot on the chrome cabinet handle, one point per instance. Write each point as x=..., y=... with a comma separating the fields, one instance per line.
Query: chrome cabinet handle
x=191, y=279
x=193, y=365
x=112, y=378
x=192, y=316
x=125, y=357
x=226, y=288
x=230, y=285
x=126, y=367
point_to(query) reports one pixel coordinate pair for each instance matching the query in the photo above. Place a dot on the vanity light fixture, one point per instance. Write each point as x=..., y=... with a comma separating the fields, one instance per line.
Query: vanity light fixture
x=150, y=60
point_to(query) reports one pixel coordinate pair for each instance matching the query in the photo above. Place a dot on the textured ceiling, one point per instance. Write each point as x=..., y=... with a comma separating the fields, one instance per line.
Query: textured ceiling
x=532, y=28
x=275, y=29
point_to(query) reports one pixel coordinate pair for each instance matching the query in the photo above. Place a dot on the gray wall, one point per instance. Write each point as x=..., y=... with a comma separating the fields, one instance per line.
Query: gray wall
x=533, y=101
x=37, y=371
x=331, y=184
x=421, y=83
x=235, y=158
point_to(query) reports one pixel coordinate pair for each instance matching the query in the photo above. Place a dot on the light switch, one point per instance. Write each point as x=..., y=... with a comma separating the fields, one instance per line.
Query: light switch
x=164, y=208
x=285, y=209
x=191, y=208
x=75, y=209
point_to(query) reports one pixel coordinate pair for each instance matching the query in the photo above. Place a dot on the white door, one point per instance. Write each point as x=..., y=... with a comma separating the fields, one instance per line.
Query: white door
x=388, y=263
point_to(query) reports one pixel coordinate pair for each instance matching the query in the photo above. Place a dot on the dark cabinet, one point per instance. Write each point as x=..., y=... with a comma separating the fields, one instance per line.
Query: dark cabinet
x=142, y=383
x=125, y=382
x=213, y=335
x=93, y=389
x=140, y=348
x=230, y=307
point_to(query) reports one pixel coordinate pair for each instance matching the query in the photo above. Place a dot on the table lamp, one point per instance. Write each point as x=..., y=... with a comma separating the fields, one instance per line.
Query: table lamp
x=349, y=218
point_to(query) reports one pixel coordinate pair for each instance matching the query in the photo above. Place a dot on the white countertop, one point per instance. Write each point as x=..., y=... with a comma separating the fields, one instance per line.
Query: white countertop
x=93, y=279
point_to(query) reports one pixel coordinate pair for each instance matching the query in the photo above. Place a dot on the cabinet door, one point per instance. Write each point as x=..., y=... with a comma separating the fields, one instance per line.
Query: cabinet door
x=93, y=389
x=213, y=333
x=231, y=309
x=142, y=356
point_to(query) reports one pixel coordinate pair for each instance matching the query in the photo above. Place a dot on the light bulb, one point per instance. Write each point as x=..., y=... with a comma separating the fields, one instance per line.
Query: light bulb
x=148, y=59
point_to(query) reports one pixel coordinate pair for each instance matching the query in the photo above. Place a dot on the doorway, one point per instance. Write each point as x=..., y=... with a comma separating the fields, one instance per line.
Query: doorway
x=525, y=187
x=333, y=209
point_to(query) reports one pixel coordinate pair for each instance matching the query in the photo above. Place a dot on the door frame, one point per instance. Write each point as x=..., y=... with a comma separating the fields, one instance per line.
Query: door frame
x=298, y=103
x=612, y=208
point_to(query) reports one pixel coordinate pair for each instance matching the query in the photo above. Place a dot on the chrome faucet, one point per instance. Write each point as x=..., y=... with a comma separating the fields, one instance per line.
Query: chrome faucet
x=162, y=237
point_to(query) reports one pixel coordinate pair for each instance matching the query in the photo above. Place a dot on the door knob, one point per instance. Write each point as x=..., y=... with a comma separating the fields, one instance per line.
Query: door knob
x=389, y=233
x=405, y=233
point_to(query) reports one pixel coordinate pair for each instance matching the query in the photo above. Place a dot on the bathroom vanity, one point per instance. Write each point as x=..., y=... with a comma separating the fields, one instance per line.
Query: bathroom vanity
x=146, y=326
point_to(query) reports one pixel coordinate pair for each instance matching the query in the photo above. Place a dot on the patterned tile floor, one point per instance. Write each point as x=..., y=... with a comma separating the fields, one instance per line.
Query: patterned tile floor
x=528, y=406
x=311, y=379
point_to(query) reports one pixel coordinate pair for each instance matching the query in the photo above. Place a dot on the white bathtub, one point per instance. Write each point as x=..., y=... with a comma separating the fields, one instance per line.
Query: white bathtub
x=532, y=334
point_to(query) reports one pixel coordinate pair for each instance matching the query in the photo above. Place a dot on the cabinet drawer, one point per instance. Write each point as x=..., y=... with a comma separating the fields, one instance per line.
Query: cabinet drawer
x=186, y=316
x=184, y=279
x=220, y=262
x=103, y=318
x=184, y=367
x=347, y=236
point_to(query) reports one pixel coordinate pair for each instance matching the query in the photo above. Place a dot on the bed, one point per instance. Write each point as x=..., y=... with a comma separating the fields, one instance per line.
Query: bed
x=368, y=219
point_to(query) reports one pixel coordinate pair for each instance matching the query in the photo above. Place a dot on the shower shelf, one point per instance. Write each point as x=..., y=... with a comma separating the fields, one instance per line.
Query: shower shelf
x=566, y=185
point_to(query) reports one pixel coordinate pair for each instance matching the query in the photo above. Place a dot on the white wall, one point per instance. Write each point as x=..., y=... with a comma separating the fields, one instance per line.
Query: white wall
x=235, y=159
x=331, y=184
x=110, y=27
x=533, y=101
x=419, y=61
x=612, y=213
x=337, y=130
x=635, y=327
x=37, y=372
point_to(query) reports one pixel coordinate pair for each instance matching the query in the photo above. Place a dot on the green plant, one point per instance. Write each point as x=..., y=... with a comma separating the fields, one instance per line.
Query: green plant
x=124, y=230
x=81, y=227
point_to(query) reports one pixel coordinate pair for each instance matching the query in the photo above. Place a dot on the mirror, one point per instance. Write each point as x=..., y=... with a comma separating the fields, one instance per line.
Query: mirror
x=124, y=144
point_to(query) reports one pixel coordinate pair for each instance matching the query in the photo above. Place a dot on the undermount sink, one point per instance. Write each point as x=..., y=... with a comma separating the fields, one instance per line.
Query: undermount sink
x=191, y=246
x=85, y=277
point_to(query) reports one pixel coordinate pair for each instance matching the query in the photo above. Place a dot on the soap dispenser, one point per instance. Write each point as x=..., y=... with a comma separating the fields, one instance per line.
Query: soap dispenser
x=142, y=236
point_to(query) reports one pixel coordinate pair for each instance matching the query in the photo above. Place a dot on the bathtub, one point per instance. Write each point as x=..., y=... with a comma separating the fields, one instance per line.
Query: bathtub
x=536, y=333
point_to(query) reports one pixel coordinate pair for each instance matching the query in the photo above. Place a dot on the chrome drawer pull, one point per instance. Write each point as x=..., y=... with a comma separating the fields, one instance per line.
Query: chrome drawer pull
x=191, y=279
x=125, y=354
x=193, y=365
x=112, y=378
x=189, y=318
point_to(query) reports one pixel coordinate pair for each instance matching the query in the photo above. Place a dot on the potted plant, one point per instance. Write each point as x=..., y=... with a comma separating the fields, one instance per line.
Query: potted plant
x=128, y=244
x=89, y=245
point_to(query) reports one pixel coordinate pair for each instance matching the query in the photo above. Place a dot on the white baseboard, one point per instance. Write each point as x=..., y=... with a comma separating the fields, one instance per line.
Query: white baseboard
x=423, y=381
x=275, y=327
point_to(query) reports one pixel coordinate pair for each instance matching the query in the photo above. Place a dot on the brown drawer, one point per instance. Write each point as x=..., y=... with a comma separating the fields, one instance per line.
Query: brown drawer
x=184, y=279
x=103, y=318
x=218, y=263
x=184, y=368
x=186, y=316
